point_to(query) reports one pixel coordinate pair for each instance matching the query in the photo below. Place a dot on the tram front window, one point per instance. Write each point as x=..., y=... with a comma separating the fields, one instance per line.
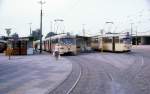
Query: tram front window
x=67, y=40
x=127, y=40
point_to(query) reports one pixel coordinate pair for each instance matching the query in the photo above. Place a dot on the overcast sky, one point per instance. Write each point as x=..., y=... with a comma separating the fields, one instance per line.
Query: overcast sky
x=16, y=14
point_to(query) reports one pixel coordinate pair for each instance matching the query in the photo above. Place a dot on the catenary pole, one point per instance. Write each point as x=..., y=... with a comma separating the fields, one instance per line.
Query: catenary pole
x=41, y=16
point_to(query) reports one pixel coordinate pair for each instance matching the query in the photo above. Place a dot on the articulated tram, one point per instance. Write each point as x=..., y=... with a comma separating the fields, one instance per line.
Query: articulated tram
x=65, y=42
x=112, y=42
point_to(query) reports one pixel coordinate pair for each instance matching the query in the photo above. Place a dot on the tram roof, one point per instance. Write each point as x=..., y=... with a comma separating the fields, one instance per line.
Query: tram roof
x=3, y=41
x=112, y=35
x=78, y=36
x=60, y=36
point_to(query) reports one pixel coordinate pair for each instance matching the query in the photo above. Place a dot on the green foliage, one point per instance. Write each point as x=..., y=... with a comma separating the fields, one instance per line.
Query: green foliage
x=50, y=34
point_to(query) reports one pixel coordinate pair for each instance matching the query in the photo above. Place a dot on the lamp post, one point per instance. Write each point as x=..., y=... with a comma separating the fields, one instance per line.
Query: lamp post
x=102, y=32
x=30, y=28
x=131, y=31
x=136, y=37
x=51, y=26
x=110, y=22
x=41, y=15
x=83, y=29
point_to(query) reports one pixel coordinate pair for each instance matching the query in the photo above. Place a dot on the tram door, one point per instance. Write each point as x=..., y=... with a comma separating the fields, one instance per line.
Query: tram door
x=113, y=44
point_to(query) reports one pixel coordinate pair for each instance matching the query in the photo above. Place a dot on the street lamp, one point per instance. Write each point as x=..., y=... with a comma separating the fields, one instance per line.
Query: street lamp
x=51, y=26
x=30, y=28
x=131, y=31
x=8, y=31
x=102, y=32
x=83, y=29
x=41, y=15
x=109, y=23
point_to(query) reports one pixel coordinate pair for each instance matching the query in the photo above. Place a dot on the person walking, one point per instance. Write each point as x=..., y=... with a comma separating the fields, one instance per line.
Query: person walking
x=56, y=51
x=35, y=47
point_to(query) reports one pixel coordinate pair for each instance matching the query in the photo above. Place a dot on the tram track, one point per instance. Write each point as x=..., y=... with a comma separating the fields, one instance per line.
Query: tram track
x=76, y=82
x=91, y=73
x=106, y=75
x=132, y=69
x=127, y=77
x=88, y=80
x=114, y=86
x=67, y=86
x=123, y=78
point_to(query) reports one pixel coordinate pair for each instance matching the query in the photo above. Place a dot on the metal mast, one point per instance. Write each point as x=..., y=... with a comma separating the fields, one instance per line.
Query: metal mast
x=131, y=31
x=83, y=29
x=41, y=15
x=30, y=28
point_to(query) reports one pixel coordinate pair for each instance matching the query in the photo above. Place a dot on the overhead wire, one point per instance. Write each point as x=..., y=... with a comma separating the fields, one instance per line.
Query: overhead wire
x=73, y=7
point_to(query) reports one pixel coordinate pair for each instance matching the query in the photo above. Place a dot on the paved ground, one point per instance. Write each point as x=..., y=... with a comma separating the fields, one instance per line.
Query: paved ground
x=142, y=50
x=92, y=73
x=109, y=73
x=37, y=74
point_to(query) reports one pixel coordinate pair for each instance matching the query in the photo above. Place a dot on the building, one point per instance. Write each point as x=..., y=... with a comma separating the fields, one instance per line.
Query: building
x=141, y=38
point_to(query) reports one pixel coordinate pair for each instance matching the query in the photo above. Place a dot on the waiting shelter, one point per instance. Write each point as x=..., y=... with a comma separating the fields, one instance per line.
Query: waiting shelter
x=20, y=46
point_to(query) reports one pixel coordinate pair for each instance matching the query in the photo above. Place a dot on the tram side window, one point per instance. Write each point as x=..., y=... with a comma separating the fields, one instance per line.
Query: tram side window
x=52, y=41
x=89, y=41
x=46, y=42
x=127, y=40
x=95, y=40
x=121, y=40
x=55, y=41
x=107, y=40
x=67, y=40
x=116, y=39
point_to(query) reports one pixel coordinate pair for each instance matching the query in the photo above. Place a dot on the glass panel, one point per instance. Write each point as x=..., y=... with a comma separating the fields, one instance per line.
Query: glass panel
x=127, y=40
x=107, y=40
x=116, y=39
x=67, y=40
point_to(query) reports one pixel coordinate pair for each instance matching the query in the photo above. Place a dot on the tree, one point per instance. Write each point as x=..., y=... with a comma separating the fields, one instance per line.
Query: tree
x=50, y=34
x=36, y=34
x=15, y=35
x=8, y=31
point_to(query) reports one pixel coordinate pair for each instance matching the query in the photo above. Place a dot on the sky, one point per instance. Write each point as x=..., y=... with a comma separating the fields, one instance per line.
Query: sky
x=17, y=14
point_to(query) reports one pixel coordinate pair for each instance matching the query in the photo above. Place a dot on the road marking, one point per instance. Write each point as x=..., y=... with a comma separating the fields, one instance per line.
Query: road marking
x=142, y=61
x=74, y=85
x=109, y=76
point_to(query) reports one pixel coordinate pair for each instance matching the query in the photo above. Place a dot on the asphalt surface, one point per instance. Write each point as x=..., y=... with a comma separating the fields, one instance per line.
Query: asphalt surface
x=89, y=73
x=109, y=73
x=35, y=74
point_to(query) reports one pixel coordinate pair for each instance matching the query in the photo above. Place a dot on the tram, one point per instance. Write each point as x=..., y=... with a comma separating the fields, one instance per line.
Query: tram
x=112, y=42
x=66, y=44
